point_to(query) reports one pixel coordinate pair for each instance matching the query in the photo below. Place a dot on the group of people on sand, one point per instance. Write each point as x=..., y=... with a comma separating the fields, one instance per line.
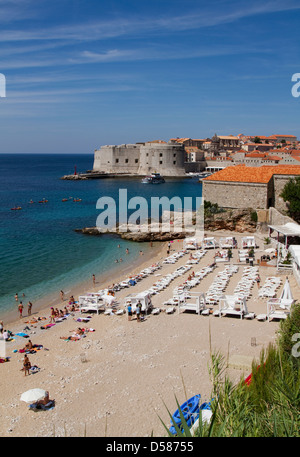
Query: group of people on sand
x=5, y=334
x=56, y=313
x=21, y=306
x=27, y=367
x=71, y=299
x=139, y=312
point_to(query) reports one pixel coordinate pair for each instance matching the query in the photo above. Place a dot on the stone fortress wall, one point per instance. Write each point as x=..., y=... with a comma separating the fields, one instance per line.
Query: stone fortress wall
x=236, y=194
x=247, y=195
x=141, y=159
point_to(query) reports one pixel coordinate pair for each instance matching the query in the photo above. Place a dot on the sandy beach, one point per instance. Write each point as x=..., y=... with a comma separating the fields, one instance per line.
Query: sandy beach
x=117, y=380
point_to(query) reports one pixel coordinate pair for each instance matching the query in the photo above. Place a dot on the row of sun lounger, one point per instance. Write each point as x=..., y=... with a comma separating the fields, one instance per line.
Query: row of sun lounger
x=269, y=288
x=218, y=286
x=244, y=286
x=173, y=258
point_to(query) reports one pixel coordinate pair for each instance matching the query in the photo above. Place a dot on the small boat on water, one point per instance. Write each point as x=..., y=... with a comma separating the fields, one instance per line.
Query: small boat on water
x=43, y=201
x=190, y=410
x=204, y=174
x=16, y=208
x=154, y=178
x=76, y=199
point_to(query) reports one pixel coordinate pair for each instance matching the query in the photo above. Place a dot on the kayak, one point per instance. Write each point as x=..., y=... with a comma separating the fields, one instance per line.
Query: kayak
x=191, y=412
x=189, y=409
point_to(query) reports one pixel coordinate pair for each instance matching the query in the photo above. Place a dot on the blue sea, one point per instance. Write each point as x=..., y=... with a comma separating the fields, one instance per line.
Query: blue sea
x=39, y=250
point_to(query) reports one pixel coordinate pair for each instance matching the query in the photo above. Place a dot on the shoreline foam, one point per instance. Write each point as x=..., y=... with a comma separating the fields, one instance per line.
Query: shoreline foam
x=102, y=280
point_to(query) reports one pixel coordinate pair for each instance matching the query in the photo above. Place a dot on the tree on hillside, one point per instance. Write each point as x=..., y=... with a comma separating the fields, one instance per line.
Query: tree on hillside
x=257, y=140
x=291, y=195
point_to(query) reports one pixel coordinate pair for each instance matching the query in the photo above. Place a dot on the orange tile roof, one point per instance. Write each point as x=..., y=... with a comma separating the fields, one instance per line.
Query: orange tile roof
x=272, y=158
x=256, y=154
x=263, y=174
x=262, y=137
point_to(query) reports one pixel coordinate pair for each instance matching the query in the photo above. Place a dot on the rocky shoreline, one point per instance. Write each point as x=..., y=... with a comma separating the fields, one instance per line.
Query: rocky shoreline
x=136, y=236
x=239, y=221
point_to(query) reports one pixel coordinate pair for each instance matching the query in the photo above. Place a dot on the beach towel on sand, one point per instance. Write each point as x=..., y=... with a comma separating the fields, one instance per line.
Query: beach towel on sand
x=43, y=327
x=5, y=359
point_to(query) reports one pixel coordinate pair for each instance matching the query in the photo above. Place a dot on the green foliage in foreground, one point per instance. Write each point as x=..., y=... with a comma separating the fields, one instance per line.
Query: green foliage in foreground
x=269, y=406
x=291, y=195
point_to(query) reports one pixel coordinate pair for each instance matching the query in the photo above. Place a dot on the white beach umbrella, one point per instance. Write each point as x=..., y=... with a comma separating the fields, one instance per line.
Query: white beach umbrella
x=33, y=395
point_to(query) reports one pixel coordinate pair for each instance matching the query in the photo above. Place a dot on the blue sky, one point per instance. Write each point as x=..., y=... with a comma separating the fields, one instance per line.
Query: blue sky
x=80, y=74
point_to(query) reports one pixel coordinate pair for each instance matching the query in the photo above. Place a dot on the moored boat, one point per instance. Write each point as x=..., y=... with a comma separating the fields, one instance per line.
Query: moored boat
x=154, y=178
x=204, y=174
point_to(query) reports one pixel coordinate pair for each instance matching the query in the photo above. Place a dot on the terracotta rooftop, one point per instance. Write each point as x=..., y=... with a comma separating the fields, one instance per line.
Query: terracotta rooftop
x=282, y=136
x=263, y=174
x=268, y=157
x=256, y=154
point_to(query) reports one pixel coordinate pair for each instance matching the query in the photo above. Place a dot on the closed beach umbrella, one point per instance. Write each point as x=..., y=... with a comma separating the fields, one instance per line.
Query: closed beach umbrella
x=33, y=395
x=287, y=293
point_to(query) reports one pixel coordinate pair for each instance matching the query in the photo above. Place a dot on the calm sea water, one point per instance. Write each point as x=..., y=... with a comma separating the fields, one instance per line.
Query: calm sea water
x=40, y=252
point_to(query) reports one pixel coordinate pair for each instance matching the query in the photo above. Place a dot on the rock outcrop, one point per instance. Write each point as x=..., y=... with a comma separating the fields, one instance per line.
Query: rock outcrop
x=230, y=220
x=235, y=220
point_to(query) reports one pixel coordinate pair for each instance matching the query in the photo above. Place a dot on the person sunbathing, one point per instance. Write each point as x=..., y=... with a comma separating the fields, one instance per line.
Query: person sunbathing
x=70, y=338
x=44, y=402
x=28, y=346
x=77, y=334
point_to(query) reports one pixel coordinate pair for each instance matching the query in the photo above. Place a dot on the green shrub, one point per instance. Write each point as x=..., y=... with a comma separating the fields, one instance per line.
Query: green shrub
x=267, y=407
x=253, y=216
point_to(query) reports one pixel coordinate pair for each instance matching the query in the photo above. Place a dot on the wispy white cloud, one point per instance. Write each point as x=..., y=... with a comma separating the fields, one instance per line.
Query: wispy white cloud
x=59, y=95
x=16, y=10
x=165, y=53
x=204, y=17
